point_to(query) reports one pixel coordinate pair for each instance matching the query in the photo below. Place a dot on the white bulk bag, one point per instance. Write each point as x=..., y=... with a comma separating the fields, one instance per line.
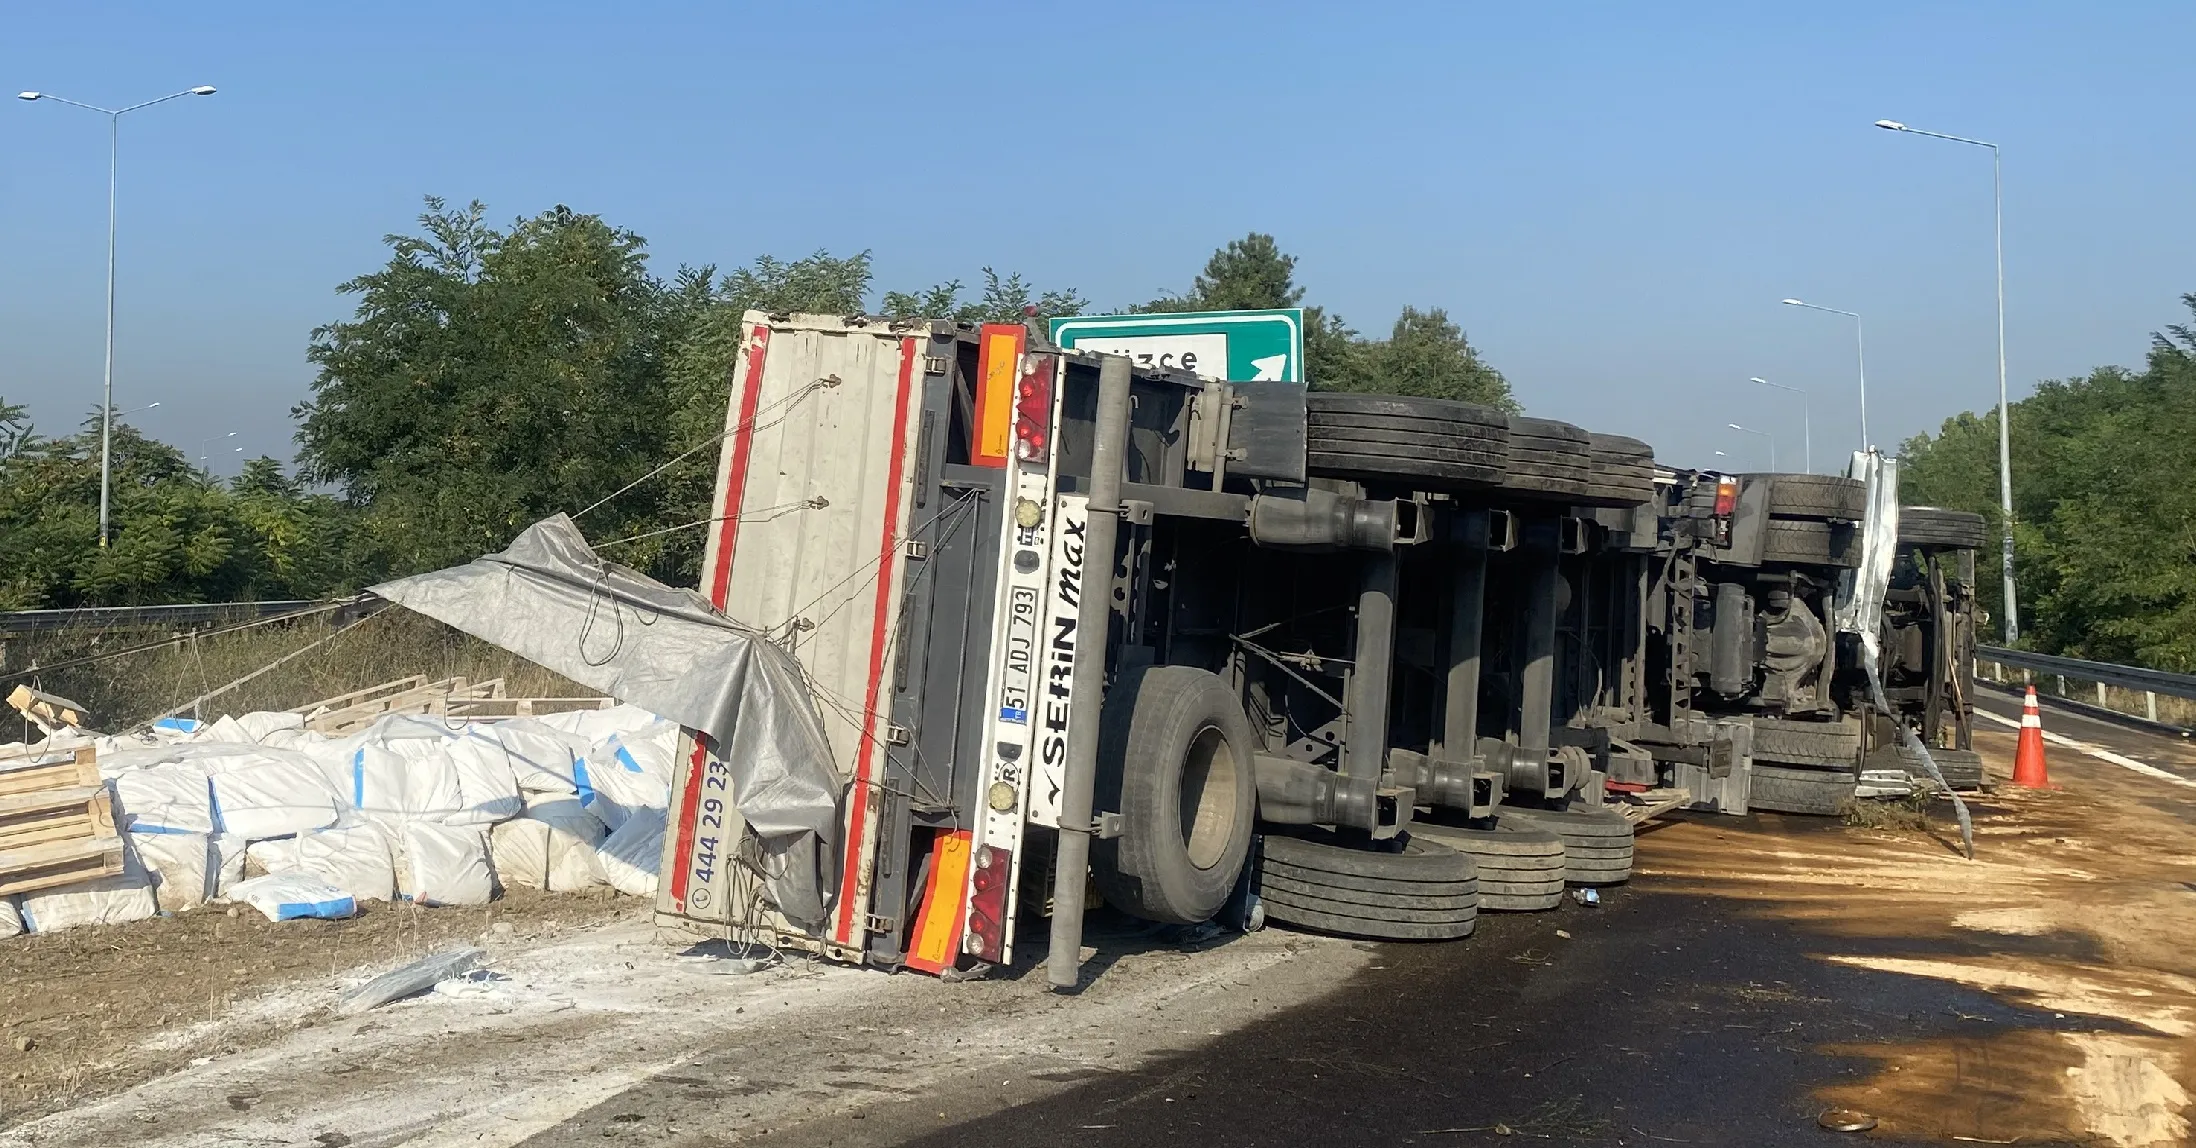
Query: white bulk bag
x=574, y=834
x=631, y=856
x=449, y=864
x=174, y=797
x=11, y=918
x=353, y=858
x=179, y=864
x=519, y=849
x=225, y=862
x=542, y=758
x=289, y=896
x=274, y=855
x=123, y=897
x=275, y=796
x=258, y=726
x=628, y=774
x=488, y=791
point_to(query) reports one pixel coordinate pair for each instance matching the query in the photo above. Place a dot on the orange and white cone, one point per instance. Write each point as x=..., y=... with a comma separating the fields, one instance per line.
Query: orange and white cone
x=2028, y=756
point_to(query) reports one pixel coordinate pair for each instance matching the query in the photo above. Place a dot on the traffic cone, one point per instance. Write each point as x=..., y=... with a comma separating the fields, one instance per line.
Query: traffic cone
x=2028, y=756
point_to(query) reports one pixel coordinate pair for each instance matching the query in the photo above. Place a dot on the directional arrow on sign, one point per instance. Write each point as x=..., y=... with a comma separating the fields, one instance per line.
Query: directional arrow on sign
x=1271, y=369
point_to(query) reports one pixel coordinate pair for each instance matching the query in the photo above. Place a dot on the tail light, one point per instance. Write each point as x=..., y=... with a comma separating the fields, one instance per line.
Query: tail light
x=1033, y=411
x=998, y=364
x=1727, y=497
x=987, y=909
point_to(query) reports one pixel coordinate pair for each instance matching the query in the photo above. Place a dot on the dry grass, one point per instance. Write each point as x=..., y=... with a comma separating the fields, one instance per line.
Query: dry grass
x=1909, y=814
x=130, y=688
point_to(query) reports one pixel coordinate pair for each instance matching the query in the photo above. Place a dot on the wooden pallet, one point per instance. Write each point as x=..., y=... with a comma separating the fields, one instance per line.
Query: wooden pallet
x=56, y=824
x=58, y=772
x=59, y=863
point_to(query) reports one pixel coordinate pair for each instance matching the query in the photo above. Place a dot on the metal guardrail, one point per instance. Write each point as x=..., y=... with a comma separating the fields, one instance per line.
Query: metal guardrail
x=182, y=617
x=2103, y=673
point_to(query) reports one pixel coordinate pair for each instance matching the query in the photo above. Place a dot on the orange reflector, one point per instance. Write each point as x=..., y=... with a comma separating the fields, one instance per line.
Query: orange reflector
x=998, y=367
x=937, y=941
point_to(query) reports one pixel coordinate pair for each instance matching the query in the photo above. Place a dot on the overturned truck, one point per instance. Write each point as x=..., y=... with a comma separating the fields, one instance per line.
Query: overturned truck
x=1229, y=650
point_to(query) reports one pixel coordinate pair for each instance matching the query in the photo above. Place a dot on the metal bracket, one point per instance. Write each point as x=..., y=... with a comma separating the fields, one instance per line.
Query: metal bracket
x=1109, y=826
x=934, y=364
x=916, y=548
x=1136, y=512
x=896, y=735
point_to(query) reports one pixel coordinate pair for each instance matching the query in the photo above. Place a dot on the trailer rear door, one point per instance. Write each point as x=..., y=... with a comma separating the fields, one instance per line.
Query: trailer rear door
x=815, y=486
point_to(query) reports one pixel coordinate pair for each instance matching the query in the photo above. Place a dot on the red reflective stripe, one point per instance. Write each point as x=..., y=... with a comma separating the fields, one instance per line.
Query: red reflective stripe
x=689, y=807
x=735, y=482
x=887, y=549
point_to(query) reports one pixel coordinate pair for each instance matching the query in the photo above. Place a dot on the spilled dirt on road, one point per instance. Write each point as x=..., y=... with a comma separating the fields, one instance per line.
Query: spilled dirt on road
x=2073, y=926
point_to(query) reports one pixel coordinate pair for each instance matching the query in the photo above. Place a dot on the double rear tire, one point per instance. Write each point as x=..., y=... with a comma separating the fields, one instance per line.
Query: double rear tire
x=1422, y=891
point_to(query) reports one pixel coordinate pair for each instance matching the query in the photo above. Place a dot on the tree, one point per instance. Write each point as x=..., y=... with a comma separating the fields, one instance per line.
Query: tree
x=488, y=379
x=1007, y=300
x=2105, y=530
x=1426, y=354
x=177, y=534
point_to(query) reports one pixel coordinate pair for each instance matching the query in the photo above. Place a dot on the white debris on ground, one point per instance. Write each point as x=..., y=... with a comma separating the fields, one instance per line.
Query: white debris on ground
x=592, y=1027
x=258, y=809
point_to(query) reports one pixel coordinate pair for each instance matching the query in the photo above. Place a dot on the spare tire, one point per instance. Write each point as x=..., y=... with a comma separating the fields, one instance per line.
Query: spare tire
x=1421, y=891
x=1804, y=542
x=1174, y=758
x=1797, y=789
x=1814, y=496
x=1521, y=867
x=1937, y=526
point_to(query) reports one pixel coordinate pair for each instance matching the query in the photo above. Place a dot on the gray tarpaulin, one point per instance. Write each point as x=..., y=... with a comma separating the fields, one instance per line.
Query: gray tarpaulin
x=550, y=600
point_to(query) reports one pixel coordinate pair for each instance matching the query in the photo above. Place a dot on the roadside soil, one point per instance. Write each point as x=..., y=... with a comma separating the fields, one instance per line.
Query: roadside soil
x=94, y=1010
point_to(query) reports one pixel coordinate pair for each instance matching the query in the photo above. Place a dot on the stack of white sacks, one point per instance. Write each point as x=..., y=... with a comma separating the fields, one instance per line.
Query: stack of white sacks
x=439, y=811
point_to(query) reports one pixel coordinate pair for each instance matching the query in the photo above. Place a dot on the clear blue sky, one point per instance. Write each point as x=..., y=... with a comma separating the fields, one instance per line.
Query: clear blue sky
x=1611, y=198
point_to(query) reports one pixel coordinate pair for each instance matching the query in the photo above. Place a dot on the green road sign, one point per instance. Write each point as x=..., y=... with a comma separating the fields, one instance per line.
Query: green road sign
x=1231, y=346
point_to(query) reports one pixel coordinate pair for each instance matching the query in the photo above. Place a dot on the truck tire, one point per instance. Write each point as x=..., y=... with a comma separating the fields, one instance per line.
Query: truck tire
x=1962, y=768
x=1597, y=841
x=1393, y=438
x=1787, y=741
x=1423, y=891
x=1521, y=868
x=1814, y=496
x=1623, y=471
x=1548, y=458
x=1174, y=759
x=1797, y=789
x=1808, y=543
x=1936, y=526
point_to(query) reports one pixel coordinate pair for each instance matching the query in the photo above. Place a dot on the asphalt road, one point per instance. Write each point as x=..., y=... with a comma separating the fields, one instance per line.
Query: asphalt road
x=1660, y=1018
x=2172, y=753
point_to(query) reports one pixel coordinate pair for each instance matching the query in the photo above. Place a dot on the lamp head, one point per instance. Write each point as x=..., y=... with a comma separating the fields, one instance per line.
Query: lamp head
x=203, y=90
x=1734, y=426
x=1793, y=303
x=1763, y=382
x=28, y=95
x=1891, y=125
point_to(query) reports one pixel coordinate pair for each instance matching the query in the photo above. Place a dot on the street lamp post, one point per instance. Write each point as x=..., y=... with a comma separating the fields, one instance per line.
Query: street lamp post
x=2005, y=433
x=106, y=404
x=1860, y=352
x=209, y=438
x=1765, y=434
x=1807, y=419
